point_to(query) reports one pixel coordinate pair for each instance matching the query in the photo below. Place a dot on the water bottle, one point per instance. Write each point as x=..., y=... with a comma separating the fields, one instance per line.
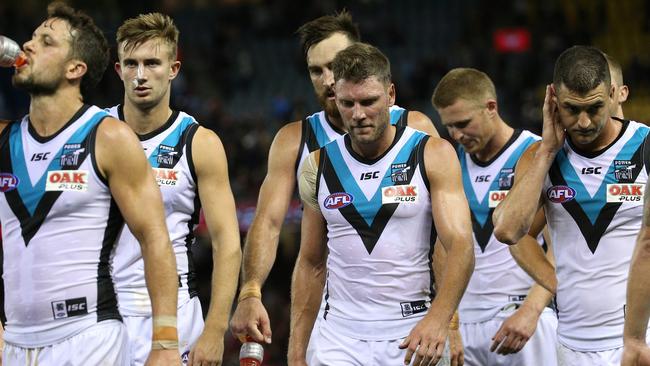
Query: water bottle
x=10, y=53
x=251, y=353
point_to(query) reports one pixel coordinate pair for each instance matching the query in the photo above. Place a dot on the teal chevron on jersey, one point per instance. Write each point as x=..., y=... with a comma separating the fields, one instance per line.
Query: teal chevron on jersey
x=395, y=114
x=171, y=140
x=593, y=205
x=481, y=208
x=368, y=208
x=31, y=194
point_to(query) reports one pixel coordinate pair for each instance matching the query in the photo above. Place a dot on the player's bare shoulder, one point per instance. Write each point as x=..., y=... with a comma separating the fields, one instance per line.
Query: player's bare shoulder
x=286, y=143
x=439, y=155
x=421, y=122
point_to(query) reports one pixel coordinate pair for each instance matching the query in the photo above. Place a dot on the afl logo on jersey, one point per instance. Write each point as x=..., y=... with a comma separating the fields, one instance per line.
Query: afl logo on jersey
x=8, y=182
x=337, y=200
x=560, y=194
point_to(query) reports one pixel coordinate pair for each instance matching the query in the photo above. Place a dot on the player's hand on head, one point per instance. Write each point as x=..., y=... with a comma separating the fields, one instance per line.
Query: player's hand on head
x=456, y=350
x=635, y=353
x=251, y=319
x=208, y=350
x=515, y=331
x=163, y=357
x=426, y=342
x=553, y=134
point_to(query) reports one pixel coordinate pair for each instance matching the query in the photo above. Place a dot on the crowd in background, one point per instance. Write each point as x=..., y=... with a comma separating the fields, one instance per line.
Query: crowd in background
x=243, y=75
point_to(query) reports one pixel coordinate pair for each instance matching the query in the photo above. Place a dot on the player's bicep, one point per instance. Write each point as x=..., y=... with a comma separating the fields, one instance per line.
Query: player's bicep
x=277, y=188
x=313, y=235
x=214, y=186
x=129, y=176
x=448, y=202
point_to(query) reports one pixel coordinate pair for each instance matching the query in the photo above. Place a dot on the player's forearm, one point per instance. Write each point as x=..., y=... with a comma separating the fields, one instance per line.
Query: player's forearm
x=456, y=275
x=260, y=251
x=538, y=299
x=512, y=217
x=531, y=258
x=306, y=292
x=160, y=275
x=638, y=290
x=226, y=260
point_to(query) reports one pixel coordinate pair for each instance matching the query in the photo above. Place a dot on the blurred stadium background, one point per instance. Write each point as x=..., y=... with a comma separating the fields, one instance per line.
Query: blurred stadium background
x=243, y=76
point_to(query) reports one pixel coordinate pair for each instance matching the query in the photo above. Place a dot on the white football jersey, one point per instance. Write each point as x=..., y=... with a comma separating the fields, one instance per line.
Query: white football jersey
x=594, y=207
x=497, y=279
x=380, y=237
x=169, y=151
x=59, y=228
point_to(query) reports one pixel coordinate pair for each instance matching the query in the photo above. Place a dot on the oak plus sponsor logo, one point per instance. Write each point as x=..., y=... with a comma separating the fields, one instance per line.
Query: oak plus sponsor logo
x=399, y=194
x=625, y=192
x=495, y=197
x=560, y=194
x=166, y=177
x=8, y=182
x=337, y=200
x=67, y=180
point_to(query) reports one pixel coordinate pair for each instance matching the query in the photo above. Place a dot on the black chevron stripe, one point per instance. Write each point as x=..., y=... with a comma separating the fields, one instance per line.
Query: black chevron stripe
x=593, y=232
x=483, y=233
x=369, y=234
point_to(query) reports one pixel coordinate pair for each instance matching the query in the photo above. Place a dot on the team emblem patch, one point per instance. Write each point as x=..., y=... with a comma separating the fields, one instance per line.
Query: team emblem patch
x=399, y=173
x=623, y=170
x=166, y=155
x=560, y=194
x=67, y=180
x=399, y=194
x=8, y=182
x=166, y=177
x=625, y=192
x=337, y=200
x=70, y=155
x=506, y=177
x=495, y=197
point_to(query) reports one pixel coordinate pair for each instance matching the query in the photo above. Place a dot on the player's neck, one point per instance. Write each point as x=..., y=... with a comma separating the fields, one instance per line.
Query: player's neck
x=337, y=121
x=49, y=113
x=501, y=137
x=378, y=147
x=143, y=121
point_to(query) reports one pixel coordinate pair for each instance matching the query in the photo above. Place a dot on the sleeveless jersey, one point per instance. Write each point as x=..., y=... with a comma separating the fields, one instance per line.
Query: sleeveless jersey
x=169, y=151
x=594, y=207
x=318, y=131
x=380, y=237
x=59, y=227
x=497, y=279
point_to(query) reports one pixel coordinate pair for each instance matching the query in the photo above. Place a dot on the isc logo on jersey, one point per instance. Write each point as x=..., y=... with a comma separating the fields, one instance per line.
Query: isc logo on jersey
x=166, y=177
x=495, y=197
x=625, y=192
x=8, y=182
x=337, y=200
x=67, y=180
x=560, y=194
x=399, y=194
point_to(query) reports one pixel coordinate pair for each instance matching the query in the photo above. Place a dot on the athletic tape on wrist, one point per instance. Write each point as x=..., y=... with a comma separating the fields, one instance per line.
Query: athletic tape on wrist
x=453, y=323
x=248, y=292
